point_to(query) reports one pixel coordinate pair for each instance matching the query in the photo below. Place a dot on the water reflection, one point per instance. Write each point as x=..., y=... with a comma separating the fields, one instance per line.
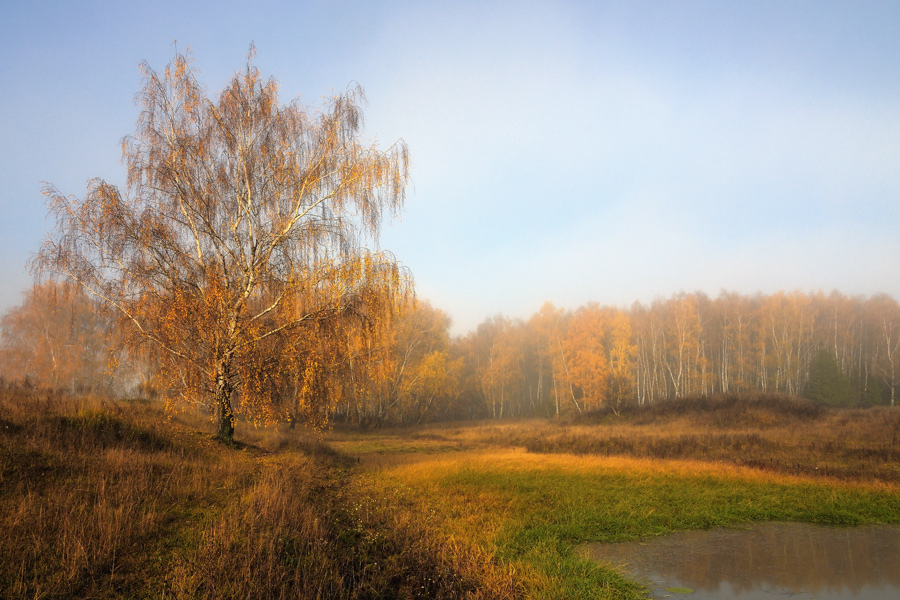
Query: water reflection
x=769, y=559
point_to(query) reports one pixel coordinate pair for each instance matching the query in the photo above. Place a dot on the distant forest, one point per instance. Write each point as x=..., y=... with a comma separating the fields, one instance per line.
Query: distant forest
x=831, y=348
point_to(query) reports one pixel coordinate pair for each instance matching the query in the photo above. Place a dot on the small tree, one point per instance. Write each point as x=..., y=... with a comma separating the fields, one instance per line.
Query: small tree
x=826, y=383
x=238, y=246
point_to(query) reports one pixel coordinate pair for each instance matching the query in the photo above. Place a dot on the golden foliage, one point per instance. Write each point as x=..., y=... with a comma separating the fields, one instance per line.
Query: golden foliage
x=238, y=247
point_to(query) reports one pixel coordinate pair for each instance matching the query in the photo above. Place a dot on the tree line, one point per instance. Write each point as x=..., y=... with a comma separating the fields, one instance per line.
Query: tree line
x=409, y=369
x=571, y=361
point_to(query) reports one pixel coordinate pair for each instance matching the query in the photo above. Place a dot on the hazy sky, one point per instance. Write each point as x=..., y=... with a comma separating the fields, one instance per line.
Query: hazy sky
x=562, y=151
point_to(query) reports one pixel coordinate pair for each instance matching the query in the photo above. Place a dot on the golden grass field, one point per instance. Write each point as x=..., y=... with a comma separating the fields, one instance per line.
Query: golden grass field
x=104, y=499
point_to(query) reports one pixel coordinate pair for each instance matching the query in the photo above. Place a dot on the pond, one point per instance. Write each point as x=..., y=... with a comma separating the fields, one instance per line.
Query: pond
x=767, y=560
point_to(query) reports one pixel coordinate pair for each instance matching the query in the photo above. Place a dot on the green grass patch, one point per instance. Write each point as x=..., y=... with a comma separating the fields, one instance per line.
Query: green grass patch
x=544, y=513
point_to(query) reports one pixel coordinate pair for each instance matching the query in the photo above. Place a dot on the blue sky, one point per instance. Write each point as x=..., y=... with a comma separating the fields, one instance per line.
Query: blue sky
x=562, y=151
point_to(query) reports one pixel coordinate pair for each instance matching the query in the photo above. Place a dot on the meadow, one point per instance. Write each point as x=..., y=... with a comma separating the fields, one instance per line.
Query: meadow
x=115, y=499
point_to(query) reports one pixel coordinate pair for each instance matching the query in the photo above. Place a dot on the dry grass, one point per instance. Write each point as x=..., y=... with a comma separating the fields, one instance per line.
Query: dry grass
x=100, y=499
x=107, y=500
x=86, y=492
x=772, y=433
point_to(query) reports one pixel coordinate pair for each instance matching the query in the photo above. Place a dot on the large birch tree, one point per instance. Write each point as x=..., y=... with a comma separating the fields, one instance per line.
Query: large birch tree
x=240, y=241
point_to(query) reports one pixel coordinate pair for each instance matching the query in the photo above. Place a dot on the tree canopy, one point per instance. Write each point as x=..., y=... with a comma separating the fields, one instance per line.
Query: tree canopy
x=240, y=246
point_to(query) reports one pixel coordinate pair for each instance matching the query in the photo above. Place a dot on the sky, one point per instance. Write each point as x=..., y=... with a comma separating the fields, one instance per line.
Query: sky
x=560, y=151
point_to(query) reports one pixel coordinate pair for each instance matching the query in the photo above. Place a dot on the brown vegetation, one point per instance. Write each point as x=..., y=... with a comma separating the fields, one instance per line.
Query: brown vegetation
x=767, y=431
x=101, y=499
x=108, y=499
x=562, y=362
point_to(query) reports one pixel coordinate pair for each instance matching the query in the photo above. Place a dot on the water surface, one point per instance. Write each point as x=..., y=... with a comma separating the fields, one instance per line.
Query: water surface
x=765, y=561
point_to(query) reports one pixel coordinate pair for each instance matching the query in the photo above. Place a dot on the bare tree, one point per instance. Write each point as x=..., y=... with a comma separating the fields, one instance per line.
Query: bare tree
x=240, y=239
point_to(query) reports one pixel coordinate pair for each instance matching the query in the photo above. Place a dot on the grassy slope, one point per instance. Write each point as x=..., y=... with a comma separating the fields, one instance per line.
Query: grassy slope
x=107, y=500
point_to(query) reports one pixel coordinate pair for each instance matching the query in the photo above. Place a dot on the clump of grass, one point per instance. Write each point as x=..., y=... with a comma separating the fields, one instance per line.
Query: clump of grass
x=771, y=432
x=389, y=521
x=326, y=542
x=269, y=541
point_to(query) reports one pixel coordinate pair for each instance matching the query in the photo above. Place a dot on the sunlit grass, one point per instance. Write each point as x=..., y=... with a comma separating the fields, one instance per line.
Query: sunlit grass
x=100, y=499
x=782, y=436
x=107, y=499
x=532, y=510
